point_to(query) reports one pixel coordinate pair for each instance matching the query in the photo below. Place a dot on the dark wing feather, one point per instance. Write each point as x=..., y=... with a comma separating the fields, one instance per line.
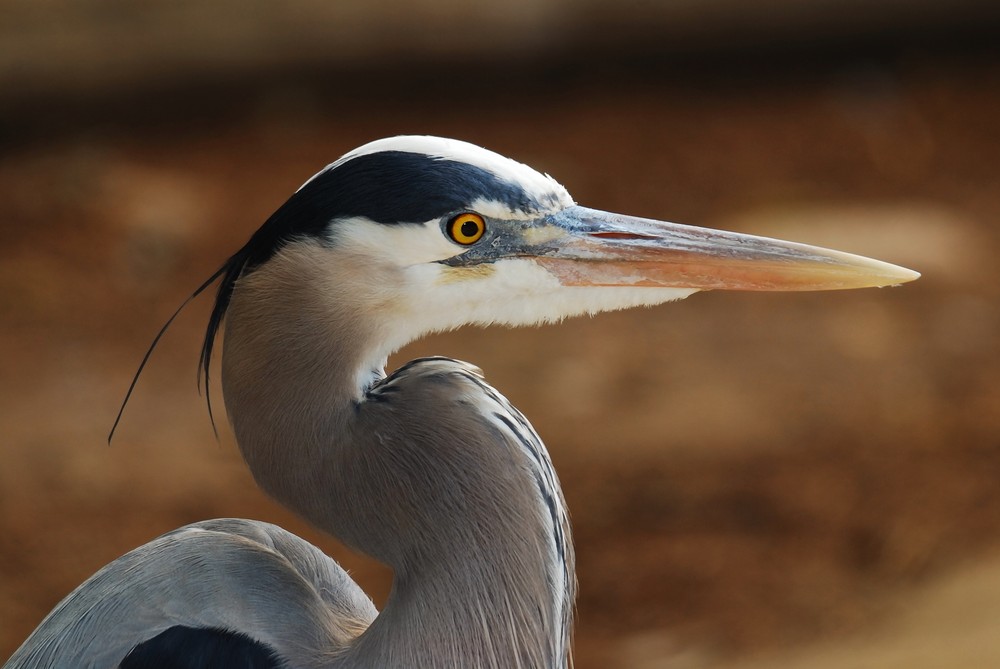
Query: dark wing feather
x=181, y=647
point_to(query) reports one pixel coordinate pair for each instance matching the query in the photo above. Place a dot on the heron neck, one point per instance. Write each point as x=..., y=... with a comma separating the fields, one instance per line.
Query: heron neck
x=293, y=359
x=487, y=626
x=480, y=580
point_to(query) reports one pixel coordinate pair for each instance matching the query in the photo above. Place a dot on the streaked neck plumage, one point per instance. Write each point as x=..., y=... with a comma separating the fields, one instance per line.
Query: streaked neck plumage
x=483, y=562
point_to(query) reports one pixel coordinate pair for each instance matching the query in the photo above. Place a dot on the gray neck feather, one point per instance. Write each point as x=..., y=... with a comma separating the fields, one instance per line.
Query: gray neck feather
x=457, y=518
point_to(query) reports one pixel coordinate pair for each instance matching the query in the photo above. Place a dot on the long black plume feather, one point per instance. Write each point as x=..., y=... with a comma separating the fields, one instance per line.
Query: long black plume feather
x=135, y=379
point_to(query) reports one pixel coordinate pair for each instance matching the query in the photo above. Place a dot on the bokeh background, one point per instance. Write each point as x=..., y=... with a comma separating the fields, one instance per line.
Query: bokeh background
x=798, y=480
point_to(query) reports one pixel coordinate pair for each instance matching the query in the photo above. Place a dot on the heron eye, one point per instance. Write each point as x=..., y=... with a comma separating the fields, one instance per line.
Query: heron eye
x=466, y=228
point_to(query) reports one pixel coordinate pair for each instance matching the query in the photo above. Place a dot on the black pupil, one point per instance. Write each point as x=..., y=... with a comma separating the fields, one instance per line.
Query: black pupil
x=470, y=229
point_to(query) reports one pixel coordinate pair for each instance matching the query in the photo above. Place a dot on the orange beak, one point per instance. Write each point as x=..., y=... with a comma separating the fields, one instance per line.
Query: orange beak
x=589, y=247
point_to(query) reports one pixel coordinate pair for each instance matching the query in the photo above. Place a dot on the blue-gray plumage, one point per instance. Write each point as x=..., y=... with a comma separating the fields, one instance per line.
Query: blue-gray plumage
x=429, y=470
x=218, y=574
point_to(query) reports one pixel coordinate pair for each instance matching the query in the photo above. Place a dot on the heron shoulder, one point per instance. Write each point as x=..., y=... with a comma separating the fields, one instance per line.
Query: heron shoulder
x=237, y=575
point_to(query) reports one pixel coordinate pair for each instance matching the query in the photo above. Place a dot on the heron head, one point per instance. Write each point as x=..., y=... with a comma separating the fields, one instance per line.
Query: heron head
x=440, y=233
x=429, y=234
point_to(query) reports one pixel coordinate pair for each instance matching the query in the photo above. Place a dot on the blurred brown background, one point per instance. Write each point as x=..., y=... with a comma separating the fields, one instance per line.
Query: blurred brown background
x=755, y=480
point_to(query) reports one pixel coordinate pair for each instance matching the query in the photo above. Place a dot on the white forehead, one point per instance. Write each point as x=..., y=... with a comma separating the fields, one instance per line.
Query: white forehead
x=540, y=186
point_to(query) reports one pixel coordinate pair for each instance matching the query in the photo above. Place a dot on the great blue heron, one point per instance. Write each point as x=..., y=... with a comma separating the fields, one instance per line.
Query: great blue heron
x=429, y=470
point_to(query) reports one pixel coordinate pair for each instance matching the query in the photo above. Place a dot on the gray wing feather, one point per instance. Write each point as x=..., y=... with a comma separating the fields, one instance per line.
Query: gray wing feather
x=239, y=575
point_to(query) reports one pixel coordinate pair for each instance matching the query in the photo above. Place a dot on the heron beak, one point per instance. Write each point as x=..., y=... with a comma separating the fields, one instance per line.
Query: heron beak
x=589, y=247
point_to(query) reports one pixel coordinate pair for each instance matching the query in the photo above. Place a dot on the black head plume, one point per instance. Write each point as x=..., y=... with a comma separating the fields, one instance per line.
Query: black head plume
x=299, y=216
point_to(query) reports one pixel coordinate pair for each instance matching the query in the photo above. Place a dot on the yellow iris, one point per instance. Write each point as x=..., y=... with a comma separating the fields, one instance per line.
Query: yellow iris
x=466, y=228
